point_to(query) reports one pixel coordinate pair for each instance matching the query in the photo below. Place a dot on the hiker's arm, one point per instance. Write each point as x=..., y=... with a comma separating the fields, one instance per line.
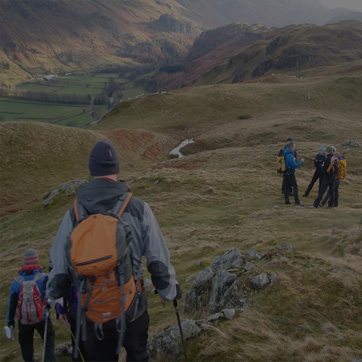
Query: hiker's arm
x=13, y=303
x=59, y=281
x=290, y=162
x=158, y=257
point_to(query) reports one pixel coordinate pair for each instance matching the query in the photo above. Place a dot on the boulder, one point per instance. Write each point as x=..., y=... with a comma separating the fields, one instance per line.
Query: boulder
x=168, y=341
x=220, y=285
x=260, y=281
x=351, y=143
x=251, y=255
x=211, y=283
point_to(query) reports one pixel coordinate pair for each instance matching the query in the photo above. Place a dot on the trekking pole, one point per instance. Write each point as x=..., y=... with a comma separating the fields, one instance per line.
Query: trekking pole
x=179, y=325
x=67, y=324
x=45, y=334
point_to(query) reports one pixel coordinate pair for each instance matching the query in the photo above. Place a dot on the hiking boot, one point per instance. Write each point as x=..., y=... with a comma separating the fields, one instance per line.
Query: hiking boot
x=321, y=205
x=299, y=204
x=305, y=195
x=312, y=207
x=287, y=202
x=330, y=207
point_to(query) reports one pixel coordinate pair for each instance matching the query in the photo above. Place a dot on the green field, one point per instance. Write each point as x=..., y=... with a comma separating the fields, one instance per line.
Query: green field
x=76, y=115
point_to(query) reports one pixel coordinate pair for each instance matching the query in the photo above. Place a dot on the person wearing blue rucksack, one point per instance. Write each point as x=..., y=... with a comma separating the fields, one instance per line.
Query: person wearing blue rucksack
x=27, y=295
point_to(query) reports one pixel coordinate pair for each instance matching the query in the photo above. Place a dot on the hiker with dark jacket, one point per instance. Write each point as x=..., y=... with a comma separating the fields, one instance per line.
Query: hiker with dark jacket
x=318, y=173
x=337, y=180
x=291, y=165
x=330, y=170
x=30, y=280
x=99, y=196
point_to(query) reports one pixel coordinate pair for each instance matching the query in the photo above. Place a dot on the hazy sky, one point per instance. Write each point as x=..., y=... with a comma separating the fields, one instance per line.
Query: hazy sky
x=349, y=4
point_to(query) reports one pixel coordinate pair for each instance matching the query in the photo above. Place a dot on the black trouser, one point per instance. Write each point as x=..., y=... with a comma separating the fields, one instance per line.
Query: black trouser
x=135, y=341
x=325, y=184
x=285, y=189
x=317, y=175
x=26, y=340
x=291, y=181
x=336, y=195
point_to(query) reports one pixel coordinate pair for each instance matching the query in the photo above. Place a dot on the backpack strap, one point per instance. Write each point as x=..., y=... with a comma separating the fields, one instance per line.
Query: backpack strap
x=120, y=205
x=79, y=211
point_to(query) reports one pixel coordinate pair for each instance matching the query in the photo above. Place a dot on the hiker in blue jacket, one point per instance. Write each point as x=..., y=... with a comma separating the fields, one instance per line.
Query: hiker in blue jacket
x=35, y=318
x=99, y=196
x=284, y=183
x=291, y=166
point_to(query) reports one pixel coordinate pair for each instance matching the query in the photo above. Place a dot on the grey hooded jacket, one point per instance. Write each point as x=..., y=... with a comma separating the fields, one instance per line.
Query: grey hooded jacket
x=99, y=196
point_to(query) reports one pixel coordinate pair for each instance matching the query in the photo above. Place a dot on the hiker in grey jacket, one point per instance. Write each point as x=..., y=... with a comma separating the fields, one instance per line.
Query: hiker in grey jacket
x=99, y=196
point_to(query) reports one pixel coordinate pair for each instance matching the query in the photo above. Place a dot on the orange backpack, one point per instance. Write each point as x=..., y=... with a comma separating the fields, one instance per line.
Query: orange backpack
x=100, y=256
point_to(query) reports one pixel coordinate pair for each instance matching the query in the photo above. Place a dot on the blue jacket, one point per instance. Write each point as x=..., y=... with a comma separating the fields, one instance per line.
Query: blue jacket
x=290, y=163
x=28, y=273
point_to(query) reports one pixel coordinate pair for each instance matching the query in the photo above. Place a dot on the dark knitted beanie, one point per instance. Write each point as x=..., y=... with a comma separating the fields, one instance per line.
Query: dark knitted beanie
x=31, y=257
x=103, y=159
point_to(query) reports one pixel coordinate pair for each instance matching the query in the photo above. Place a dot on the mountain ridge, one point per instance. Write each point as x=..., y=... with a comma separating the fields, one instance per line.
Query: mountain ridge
x=59, y=36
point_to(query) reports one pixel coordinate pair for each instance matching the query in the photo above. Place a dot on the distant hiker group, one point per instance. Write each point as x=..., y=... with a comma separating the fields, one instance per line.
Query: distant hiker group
x=330, y=169
x=96, y=279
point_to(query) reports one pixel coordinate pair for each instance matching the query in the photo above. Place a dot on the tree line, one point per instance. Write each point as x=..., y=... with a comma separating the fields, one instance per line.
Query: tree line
x=46, y=97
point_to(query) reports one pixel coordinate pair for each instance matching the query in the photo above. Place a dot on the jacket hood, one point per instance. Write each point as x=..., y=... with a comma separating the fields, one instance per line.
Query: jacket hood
x=100, y=195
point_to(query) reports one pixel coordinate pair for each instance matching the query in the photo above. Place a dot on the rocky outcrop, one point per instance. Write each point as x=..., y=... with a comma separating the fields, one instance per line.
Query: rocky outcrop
x=221, y=290
x=351, y=143
x=168, y=24
x=168, y=342
x=66, y=188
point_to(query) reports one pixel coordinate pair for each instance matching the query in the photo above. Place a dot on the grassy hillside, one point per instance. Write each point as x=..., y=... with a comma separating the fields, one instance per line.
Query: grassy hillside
x=226, y=193
x=259, y=112
x=38, y=157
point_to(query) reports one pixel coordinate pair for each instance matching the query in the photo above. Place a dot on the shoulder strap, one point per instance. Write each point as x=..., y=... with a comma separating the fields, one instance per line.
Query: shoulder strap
x=79, y=210
x=120, y=205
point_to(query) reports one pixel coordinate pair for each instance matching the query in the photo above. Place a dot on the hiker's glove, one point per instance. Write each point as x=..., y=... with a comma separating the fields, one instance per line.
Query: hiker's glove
x=51, y=303
x=59, y=309
x=11, y=324
x=178, y=291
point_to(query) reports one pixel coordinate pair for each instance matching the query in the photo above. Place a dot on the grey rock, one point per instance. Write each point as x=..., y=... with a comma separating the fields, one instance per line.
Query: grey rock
x=197, y=296
x=357, y=360
x=252, y=255
x=235, y=297
x=67, y=188
x=229, y=313
x=284, y=247
x=326, y=349
x=63, y=349
x=215, y=317
x=168, y=341
x=273, y=278
x=354, y=144
x=211, y=284
x=351, y=143
x=234, y=165
x=232, y=259
x=220, y=284
x=132, y=165
x=260, y=281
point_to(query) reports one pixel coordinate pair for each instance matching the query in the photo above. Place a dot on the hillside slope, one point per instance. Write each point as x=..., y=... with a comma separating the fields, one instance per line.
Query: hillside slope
x=44, y=156
x=291, y=50
x=39, y=36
